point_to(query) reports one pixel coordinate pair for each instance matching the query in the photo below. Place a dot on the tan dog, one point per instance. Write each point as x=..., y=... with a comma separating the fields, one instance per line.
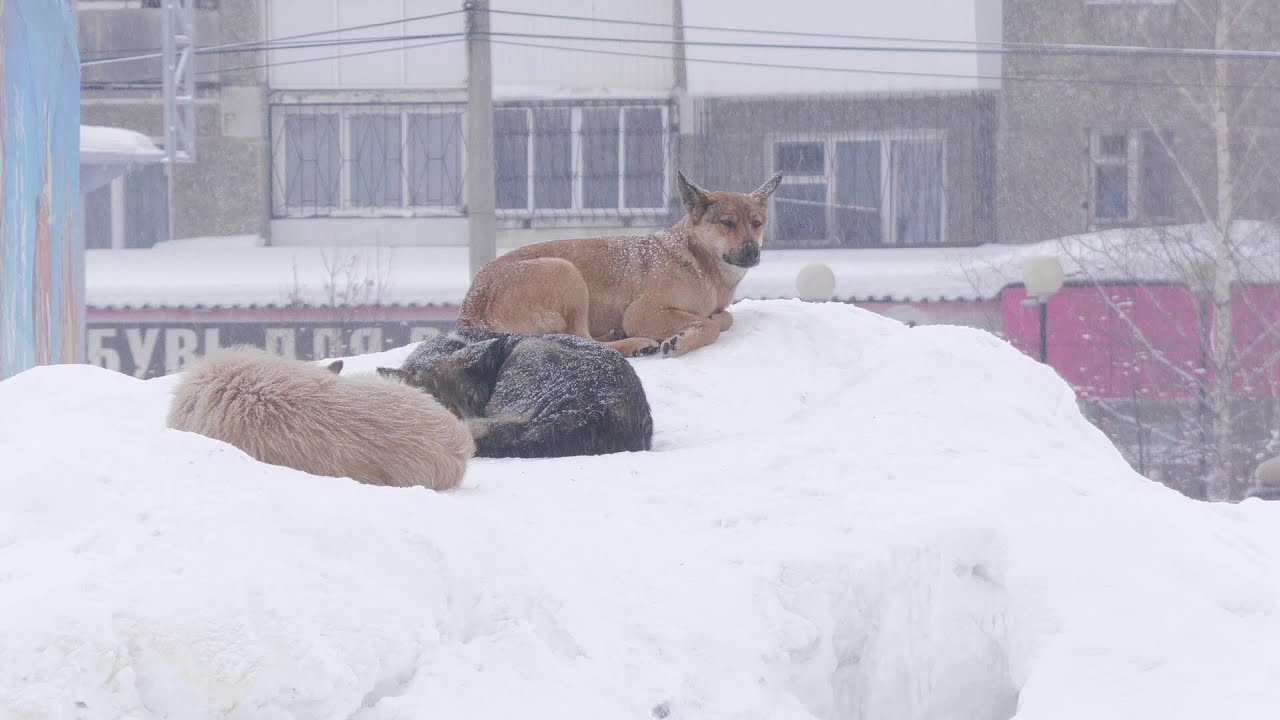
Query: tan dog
x=639, y=294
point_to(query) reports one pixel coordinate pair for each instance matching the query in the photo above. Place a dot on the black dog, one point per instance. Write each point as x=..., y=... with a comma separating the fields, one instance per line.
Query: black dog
x=533, y=395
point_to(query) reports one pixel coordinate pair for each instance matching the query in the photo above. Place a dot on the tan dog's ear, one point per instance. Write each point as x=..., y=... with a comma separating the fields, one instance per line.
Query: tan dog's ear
x=694, y=198
x=335, y=367
x=764, y=191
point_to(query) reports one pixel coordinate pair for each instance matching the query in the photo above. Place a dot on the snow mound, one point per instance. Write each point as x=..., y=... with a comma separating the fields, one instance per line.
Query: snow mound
x=842, y=517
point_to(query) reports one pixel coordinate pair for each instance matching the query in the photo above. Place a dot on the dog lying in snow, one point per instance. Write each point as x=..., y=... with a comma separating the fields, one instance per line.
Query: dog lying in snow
x=300, y=415
x=662, y=292
x=533, y=396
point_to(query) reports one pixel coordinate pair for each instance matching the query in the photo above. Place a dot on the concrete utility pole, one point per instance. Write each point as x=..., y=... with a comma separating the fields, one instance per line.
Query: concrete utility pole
x=480, y=180
x=679, y=63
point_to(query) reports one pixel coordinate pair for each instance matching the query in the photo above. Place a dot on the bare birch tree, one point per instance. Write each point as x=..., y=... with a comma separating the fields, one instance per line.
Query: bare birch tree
x=1218, y=155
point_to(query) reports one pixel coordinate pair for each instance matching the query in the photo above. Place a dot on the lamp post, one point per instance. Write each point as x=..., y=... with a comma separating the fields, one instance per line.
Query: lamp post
x=815, y=283
x=1042, y=276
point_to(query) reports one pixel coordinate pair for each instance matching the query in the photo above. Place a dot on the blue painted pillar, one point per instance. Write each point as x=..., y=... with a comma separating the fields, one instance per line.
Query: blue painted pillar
x=41, y=238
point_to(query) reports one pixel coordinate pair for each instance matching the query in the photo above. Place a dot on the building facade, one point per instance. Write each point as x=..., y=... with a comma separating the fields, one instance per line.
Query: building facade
x=341, y=122
x=1091, y=141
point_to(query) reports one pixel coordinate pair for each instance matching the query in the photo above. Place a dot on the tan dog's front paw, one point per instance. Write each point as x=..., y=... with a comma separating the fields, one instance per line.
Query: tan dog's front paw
x=635, y=346
x=671, y=347
x=723, y=318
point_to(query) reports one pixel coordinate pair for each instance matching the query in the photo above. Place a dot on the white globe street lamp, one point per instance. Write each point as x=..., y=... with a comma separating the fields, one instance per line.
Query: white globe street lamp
x=1042, y=276
x=815, y=283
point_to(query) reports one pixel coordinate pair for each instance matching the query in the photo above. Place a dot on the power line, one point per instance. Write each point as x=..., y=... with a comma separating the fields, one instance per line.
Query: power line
x=750, y=31
x=242, y=68
x=1000, y=46
x=641, y=23
x=437, y=39
x=445, y=38
x=343, y=42
x=448, y=38
x=1101, y=50
x=1081, y=80
x=259, y=45
x=286, y=43
x=278, y=63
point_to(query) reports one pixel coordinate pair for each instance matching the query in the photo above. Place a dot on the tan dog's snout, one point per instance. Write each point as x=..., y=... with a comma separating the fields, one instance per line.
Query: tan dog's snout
x=745, y=255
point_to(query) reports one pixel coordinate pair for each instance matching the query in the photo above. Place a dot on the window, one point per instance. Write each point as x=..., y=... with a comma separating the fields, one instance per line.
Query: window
x=128, y=212
x=860, y=192
x=801, y=201
x=370, y=160
x=98, y=217
x=1132, y=176
x=580, y=159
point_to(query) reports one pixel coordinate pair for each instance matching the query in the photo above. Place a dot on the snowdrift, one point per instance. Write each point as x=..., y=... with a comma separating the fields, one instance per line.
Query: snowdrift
x=842, y=517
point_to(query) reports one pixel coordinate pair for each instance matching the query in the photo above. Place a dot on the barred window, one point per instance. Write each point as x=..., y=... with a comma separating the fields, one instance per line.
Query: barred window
x=435, y=159
x=344, y=160
x=312, y=158
x=580, y=159
x=376, y=169
x=392, y=159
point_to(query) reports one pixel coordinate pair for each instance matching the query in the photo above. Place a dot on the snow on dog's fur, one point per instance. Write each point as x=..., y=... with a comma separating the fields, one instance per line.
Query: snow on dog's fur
x=300, y=415
x=534, y=395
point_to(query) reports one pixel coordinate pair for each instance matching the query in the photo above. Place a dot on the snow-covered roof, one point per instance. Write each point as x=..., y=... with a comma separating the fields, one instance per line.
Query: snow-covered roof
x=236, y=272
x=1170, y=254
x=111, y=145
x=239, y=272
x=109, y=152
x=207, y=273
x=891, y=28
x=889, y=274
x=842, y=517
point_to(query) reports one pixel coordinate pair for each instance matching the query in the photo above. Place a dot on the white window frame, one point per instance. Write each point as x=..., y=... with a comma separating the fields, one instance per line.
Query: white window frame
x=575, y=150
x=888, y=198
x=1135, y=151
x=345, y=207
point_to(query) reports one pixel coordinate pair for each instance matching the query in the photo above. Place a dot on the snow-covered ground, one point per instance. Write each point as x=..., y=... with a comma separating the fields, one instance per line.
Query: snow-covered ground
x=842, y=517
